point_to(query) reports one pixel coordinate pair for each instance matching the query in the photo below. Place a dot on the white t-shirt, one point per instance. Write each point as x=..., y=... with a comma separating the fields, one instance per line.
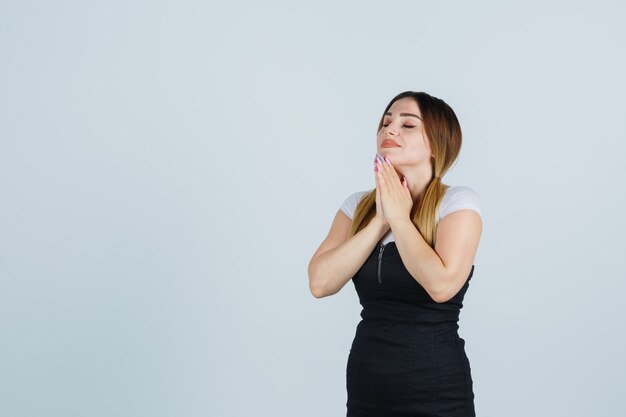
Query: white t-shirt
x=456, y=198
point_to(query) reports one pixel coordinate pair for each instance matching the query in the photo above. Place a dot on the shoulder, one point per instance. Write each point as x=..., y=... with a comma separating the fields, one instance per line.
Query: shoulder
x=351, y=201
x=460, y=197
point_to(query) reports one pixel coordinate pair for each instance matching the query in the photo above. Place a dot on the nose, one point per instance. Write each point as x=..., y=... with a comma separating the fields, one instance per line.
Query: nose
x=391, y=131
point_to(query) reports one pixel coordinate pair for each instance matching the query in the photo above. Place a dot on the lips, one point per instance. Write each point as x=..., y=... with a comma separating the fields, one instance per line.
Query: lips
x=388, y=143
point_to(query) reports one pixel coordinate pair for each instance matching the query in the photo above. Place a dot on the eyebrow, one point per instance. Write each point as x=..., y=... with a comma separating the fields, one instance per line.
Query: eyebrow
x=404, y=115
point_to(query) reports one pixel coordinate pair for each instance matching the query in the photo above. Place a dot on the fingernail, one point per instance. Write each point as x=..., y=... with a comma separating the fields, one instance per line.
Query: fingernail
x=388, y=160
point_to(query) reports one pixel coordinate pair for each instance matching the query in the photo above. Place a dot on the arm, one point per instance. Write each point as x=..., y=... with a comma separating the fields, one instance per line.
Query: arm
x=443, y=271
x=338, y=259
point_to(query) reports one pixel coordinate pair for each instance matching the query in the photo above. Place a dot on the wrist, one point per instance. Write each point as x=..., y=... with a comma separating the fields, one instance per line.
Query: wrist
x=400, y=223
x=380, y=226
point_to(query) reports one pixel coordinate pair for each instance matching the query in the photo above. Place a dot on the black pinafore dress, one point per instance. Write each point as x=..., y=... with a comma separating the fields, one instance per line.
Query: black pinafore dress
x=407, y=358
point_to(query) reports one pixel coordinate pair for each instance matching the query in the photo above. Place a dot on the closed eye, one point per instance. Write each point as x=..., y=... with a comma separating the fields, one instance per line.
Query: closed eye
x=407, y=126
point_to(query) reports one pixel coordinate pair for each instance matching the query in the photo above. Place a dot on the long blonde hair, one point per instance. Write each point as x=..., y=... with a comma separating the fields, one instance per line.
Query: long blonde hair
x=444, y=134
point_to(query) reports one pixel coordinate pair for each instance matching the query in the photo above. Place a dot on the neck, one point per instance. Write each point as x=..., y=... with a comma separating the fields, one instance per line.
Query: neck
x=418, y=179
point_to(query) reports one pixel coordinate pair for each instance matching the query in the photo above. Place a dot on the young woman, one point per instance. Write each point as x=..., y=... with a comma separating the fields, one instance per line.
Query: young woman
x=408, y=246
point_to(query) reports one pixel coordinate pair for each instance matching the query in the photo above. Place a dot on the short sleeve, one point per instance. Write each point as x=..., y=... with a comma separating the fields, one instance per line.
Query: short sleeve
x=458, y=198
x=350, y=203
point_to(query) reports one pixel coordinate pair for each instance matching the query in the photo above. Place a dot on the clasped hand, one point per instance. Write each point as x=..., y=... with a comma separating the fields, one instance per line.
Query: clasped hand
x=393, y=197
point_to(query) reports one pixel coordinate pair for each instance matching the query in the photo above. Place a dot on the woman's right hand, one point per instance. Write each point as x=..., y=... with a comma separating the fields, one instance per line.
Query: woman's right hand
x=380, y=216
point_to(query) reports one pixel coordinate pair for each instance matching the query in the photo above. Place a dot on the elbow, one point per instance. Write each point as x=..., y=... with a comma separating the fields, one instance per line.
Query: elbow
x=441, y=288
x=320, y=286
x=441, y=295
x=317, y=290
x=315, y=286
x=441, y=298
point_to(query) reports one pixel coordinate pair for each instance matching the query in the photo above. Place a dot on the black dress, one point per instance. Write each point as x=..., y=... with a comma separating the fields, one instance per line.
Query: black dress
x=407, y=358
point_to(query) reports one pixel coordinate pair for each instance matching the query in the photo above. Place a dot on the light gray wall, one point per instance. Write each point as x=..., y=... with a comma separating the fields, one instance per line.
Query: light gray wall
x=168, y=169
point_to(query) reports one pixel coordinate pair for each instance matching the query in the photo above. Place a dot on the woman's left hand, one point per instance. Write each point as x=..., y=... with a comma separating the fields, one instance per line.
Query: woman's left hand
x=395, y=195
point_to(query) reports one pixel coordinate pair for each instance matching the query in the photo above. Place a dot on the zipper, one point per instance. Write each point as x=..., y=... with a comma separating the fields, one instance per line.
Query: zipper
x=380, y=257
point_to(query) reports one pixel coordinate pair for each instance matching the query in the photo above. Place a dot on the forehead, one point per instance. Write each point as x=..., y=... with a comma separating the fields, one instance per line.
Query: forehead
x=404, y=105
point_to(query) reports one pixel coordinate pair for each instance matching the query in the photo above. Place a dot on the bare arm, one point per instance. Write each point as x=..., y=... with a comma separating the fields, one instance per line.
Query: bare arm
x=338, y=258
x=443, y=271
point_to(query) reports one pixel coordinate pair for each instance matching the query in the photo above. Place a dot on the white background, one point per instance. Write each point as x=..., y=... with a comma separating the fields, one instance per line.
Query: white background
x=167, y=170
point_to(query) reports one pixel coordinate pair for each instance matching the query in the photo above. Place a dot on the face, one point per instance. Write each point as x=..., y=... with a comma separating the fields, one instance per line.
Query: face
x=402, y=135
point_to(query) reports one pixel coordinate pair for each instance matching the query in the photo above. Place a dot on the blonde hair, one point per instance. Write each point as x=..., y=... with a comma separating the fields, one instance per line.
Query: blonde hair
x=443, y=131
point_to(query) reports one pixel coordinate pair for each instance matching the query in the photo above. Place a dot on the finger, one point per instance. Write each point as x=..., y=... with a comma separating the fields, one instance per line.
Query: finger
x=378, y=202
x=383, y=168
x=405, y=185
x=392, y=181
x=376, y=178
x=383, y=165
x=390, y=170
x=381, y=175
